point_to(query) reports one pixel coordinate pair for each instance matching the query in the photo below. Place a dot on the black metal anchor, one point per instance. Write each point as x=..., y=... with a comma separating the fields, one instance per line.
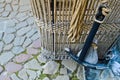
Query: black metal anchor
x=99, y=18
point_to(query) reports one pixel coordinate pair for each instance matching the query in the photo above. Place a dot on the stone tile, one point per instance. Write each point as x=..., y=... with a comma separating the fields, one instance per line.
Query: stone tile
x=36, y=66
x=12, y=67
x=1, y=69
x=1, y=46
x=8, y=1
x=24, y=8
x=32, y=74
x=15, y=7
x=41, y=58
x=1, y=36
x=21, y=25
x=15, y=2
x=5, y=13
x=50, y=67
x=30, y=21
x=22, y=58
x=27, y=42
x=4, y=76
x=19, y=41
x=70, y=64
x=10, y=30
x=23, y=31
x=35, y=37
x=31, y=33
x=63, y=71
x=46, y=78
x=1, y=10
x=36, y=43
x=14, y=77
x=23, y=74
x=8, y=38
x=2, y=5
x=22, y=2
x=32, y=51
x=80, y=73
x=23, y=18
x=17, y=50
x=8, y=47
x=64, y=77
x=5, y=57
x=10, y=23
x=8, y=7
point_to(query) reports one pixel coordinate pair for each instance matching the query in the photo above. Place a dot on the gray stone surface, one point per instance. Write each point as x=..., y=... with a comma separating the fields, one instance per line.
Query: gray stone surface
x=14, y=77
x=64, y=77
x=21, y=25
x=1, y=46
x=23, y=31
x=70, y=64
x=63, y=71
x=50, y=67
x=19, y=41
x=5, y=57
x=36, y=66
x=27, y=42
x=17, y=50
x=8, y=47
x=8, y=38
x=23, y=74
x=32, y=74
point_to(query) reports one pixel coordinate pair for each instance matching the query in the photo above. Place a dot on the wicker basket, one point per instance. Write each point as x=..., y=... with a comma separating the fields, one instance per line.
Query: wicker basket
x=53, y=17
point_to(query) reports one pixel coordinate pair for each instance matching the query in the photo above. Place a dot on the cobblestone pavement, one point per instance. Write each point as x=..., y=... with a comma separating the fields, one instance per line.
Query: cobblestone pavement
x=21, y=56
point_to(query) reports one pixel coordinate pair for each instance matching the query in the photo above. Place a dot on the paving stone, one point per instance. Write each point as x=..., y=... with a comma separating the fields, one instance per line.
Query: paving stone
x=12, y=67
x=30, y=21
x=15, y=2
x=35, y=37
x=27, y=42
x=1, y=46
x=8, y=1
x=36, y=66
x=36, y=43
x=2, y=1
x=32, y=51
x=23, y=18
x=8, y=47
x=14, y=77
x=10, y=23
x=23, y=14
x=18, y=50
x=23, y=74
x=64, y=77
x=46, y=78
x=1, y=69
x=22, y=2
x=21, y=25
x=24, y=8
x=15, y=7
x=5, y=13
x=22, y=58
x=31, y=33
x=8, y=7
x=1, y=10
x=5, y=57
x=41, y=59
x=1, y=36
x=19, y=41
x=70, y=64
x=63, y=71
x=8, y=38
x=23, y=31
x=32, y=74
x=4, y=76
x=13, y=14
x=38, y=73
x=2, y=5
x=80, y=73
x=50, y=67
x=10, y=30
